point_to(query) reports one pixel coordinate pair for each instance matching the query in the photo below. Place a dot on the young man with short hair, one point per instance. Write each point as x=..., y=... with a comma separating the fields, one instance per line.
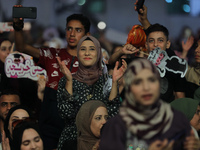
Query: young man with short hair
x=172, y=85
x=8, y=99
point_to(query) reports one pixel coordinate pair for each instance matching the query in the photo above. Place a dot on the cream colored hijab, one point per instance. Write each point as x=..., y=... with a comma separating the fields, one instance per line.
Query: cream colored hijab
x=145, y=122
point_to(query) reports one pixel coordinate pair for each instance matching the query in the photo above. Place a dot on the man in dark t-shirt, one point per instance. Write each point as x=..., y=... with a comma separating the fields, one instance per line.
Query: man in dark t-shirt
x=171, y=83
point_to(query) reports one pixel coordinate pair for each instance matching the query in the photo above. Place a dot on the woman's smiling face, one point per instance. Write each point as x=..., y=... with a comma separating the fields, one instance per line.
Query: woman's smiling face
x=87, y=53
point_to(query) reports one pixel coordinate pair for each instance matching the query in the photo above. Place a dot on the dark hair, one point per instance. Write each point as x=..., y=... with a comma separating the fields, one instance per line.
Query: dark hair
x=157, y=27
x=4, y=39
x=6, y=123
x=89, y=39
x=11, y=92
x=19, y=131
x=83, y=19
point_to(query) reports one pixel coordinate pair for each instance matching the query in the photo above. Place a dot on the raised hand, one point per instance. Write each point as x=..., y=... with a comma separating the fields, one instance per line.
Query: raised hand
x=67, y=74
x=142, y=16
x=161, y=145
x=191, y=142
x=18, y=23
x=5, y=142
x=12, y=48
x=64, y=69
x=188, y=44
x=129, y=49
x=118, y=73
x=41, y=86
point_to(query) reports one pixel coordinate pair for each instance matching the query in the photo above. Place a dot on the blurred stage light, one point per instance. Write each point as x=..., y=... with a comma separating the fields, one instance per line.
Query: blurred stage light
x=81, y=2
x=101, y=25
x=169, y=1
x=186, y=8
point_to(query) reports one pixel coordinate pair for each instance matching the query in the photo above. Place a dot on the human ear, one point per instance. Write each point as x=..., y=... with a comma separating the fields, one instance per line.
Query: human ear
x=168, y=44
x=147, y=47
x=88, y=33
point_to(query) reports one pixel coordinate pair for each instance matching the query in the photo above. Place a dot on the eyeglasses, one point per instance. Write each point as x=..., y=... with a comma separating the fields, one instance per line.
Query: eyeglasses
x=16, y=122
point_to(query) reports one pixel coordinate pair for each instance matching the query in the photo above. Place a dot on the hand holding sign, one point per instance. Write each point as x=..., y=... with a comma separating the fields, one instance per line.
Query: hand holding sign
x=163, y=62
x=19, y=65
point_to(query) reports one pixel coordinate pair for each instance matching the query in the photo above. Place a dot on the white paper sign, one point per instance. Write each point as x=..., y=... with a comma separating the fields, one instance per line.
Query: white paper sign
x=163, y=62
x=6, y=27
x=19, y=65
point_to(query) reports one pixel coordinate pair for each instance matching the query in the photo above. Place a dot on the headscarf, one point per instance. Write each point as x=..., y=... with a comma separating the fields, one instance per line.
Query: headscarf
x=86, y=139
x=145, y=122
x=187, y=106
x=6, y=123
x=4, y=39
x=19, y=131
x=89, y=75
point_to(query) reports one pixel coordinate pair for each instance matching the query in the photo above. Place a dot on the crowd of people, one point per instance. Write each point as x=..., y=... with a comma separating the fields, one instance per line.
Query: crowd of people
x=93, y=99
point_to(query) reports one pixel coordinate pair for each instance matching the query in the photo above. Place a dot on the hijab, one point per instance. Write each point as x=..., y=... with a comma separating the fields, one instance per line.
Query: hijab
x=6, y=123
x=19, y=131
x=145, y=122
x=86, y=139
x=89, y=75
x=187, y=106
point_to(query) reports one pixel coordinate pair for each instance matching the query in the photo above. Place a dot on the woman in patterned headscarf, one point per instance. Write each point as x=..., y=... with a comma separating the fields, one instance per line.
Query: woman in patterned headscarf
x=144, y=117
x=87, y=83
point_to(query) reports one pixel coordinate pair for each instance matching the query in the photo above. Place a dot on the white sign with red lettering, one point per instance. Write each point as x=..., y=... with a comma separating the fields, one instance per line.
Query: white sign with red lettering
x=163, y=62
x=19, y=65
x=6, y=27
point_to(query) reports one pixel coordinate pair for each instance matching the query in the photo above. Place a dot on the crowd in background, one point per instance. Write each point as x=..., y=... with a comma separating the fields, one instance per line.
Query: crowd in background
x=95, y=101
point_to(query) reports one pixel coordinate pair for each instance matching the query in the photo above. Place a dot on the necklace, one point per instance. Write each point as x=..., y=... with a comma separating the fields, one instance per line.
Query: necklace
x=89, y=96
